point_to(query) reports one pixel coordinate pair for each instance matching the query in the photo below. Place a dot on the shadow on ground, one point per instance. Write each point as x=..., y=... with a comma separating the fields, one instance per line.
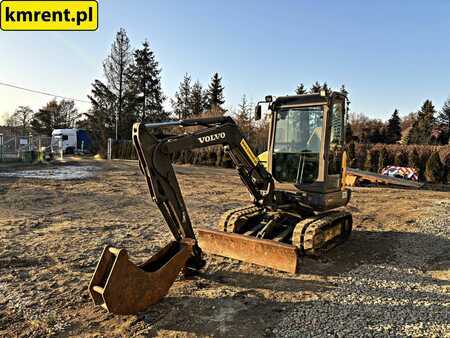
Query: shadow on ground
x=371, y=247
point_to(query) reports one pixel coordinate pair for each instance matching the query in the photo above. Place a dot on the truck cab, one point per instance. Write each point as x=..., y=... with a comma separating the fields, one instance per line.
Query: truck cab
x=65, y=138
x=71, y=140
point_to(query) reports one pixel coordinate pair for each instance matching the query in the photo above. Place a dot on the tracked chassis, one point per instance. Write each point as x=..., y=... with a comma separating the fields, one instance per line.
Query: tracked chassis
x=261, y=231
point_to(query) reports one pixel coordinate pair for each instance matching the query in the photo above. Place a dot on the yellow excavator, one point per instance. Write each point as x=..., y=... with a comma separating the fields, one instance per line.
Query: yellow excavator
x=305, y=150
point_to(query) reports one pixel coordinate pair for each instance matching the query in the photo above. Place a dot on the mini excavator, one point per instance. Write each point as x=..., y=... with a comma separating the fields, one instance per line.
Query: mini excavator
x=305, y=150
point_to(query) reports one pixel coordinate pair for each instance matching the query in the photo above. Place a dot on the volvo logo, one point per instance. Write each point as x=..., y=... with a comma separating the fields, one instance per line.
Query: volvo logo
x=210, y=138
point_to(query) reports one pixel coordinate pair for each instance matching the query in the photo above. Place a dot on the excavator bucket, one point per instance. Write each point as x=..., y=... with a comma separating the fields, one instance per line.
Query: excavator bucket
x=122, y=287
x=269, y=253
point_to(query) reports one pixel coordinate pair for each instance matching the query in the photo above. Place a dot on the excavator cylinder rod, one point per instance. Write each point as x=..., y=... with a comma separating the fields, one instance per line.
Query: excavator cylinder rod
x=276, y=255
x=121, y=287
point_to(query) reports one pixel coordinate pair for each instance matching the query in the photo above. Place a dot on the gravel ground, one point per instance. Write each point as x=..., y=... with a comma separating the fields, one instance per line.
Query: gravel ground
x=388, y=279
x=399, y=298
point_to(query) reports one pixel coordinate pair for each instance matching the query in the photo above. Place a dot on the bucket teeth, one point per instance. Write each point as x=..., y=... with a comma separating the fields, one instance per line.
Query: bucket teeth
x=122, y=287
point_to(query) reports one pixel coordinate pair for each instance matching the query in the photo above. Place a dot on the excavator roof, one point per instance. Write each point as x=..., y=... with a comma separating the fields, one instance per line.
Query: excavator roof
x=292, y=100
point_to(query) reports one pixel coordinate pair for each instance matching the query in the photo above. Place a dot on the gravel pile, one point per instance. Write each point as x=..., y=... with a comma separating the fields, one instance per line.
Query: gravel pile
x=398, y=298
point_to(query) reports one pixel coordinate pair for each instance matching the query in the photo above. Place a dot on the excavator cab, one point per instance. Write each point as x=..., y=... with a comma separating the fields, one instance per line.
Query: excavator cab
x=305, y=146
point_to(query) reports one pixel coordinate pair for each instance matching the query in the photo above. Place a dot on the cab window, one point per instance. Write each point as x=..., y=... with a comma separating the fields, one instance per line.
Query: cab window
x=298, y=135
x=337, y=137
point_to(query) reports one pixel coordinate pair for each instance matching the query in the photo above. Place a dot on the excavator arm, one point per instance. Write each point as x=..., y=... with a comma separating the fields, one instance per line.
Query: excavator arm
x=122, y=287
x=155, y=151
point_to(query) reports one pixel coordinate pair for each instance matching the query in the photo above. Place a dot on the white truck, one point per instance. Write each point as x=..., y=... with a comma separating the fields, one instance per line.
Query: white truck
x=71, y=140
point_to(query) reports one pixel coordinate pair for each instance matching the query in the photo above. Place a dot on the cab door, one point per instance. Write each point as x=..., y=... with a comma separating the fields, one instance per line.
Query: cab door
x=336, y=143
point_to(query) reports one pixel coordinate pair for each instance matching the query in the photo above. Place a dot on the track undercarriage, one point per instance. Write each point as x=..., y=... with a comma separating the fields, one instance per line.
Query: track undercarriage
x=260, y=230
x=309, y=234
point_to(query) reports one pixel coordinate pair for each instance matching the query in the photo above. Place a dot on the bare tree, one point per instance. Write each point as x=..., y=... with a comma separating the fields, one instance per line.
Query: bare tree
x=21, y=118
x=10, y=120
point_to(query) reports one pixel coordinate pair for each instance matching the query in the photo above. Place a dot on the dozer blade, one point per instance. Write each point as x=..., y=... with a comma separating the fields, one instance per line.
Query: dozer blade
x=279, y=256
x=122, y=287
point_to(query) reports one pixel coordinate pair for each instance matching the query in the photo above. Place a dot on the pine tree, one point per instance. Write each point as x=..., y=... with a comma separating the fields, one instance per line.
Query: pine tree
x=422, y=128
x=243, y=117
x=327, y=89
x=115, y=67
x=145, y=81
x=113, y=102
x=444, y=119
x=198, y=99
x=393, y=130
x=300, y=89
x=444, y=115
x=215, y=96
x=316, y=88
x=181, y=103
x=100, y=119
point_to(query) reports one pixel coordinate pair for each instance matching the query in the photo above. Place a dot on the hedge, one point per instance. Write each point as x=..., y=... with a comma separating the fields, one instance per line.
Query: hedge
x=374, y=157
x=431, y=162
x=211, y=156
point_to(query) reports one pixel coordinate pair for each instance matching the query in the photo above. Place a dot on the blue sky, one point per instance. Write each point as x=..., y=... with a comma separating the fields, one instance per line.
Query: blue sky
x=389, y=54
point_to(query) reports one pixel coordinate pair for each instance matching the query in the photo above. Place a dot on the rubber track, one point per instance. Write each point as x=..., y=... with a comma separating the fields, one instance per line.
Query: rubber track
x=316, y=228
x=228, y=220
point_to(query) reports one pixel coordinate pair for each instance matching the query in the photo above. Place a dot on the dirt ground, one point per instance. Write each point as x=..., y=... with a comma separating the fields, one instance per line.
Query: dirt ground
x=52, y=233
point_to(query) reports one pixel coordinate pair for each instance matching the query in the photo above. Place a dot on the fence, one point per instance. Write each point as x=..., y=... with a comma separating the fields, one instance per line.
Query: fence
x=14, y=148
